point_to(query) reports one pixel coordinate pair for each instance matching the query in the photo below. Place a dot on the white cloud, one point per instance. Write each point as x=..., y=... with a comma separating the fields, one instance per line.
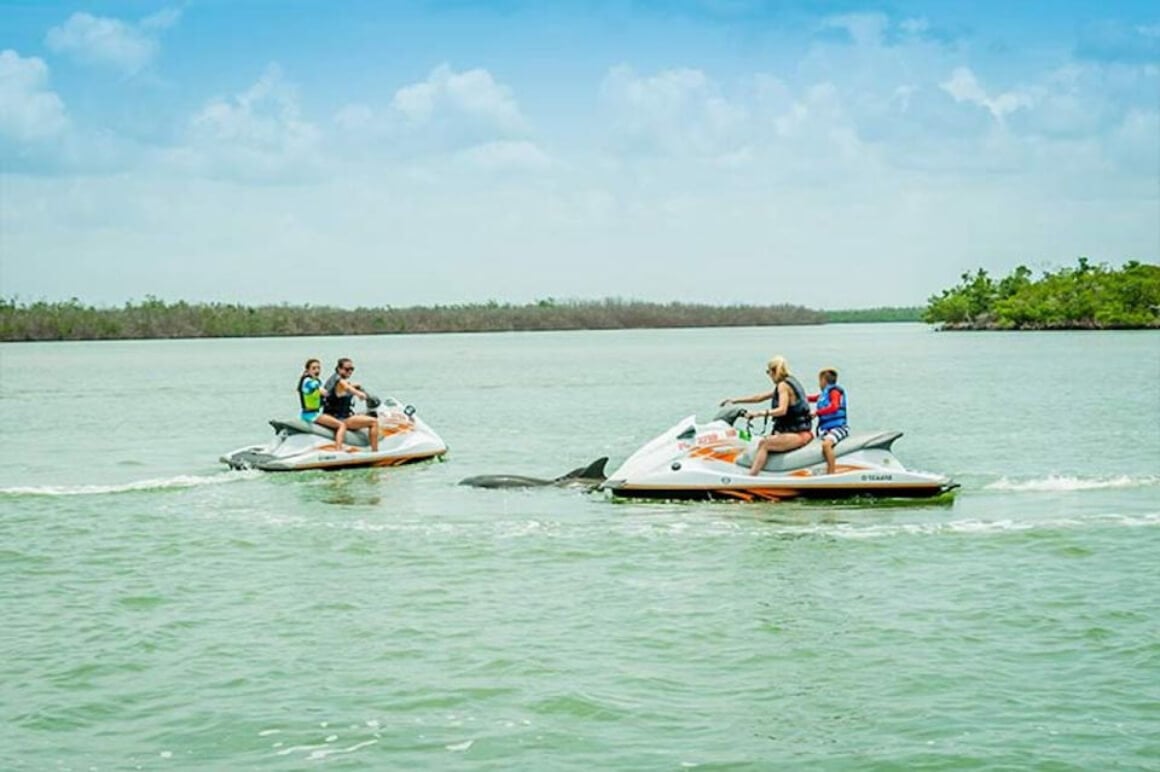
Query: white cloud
x=1135, y=142
x=258, y=134
x=162, y=20
x=963, y=86
x=468, y=115
x=914, y=26
x=473, y=94
x=508, y=155
x=100, y=40
x=29, y=110
x=766, y=129
x=679, y=111
x=866, y=29
x=355, y=117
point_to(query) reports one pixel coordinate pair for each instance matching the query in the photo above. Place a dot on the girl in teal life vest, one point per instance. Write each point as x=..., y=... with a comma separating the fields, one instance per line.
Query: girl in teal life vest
x=310, y=396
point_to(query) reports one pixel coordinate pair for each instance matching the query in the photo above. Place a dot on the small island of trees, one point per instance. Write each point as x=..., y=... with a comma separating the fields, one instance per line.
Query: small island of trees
x=1086, y=297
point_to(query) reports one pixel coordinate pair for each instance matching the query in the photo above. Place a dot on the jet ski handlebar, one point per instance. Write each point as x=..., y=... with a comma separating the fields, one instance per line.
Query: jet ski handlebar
x=730, y=413
x=374, y=403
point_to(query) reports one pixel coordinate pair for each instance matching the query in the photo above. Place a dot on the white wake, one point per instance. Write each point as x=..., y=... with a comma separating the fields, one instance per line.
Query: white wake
x=166, y=483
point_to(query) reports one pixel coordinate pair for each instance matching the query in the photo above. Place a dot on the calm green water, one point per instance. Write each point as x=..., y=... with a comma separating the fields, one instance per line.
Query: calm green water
x=161, y=613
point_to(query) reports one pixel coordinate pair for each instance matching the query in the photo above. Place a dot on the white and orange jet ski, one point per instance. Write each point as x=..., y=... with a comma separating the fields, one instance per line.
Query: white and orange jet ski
x=403, y=438
x=711, y=461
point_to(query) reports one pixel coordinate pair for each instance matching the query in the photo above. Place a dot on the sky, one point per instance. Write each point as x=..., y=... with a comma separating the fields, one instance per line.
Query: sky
x=831, y=154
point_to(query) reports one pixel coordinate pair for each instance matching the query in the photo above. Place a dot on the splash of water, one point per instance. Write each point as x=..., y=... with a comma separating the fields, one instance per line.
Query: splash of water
x=1063, y=483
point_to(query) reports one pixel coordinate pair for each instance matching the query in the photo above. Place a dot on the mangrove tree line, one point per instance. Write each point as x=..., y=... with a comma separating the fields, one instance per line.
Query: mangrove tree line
x=154, y=318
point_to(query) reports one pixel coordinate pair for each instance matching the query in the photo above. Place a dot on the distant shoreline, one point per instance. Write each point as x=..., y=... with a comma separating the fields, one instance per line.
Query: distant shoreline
x=1075, y=326
x=154, y=319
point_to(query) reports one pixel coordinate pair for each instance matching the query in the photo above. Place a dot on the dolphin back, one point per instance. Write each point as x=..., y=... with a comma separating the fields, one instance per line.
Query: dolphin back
x=591, y=476
x=504, y=481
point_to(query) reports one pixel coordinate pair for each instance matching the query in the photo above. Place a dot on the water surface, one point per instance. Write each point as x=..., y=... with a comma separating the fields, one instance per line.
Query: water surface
x=160, y=612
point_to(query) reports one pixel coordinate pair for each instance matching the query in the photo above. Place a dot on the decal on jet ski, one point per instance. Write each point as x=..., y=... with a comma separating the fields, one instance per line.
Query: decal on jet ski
x=715, y=438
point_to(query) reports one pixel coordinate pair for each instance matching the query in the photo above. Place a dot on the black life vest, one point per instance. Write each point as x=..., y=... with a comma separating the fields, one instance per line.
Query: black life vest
x=797, y=418
x=339, y=407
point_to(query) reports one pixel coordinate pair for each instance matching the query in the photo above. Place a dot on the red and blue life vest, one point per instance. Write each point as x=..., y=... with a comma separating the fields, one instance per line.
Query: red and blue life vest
x=836, y=418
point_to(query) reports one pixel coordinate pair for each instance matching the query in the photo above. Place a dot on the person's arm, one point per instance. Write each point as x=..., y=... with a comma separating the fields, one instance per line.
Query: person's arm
x=750, y=399
x=783, y=397
x=344, y=386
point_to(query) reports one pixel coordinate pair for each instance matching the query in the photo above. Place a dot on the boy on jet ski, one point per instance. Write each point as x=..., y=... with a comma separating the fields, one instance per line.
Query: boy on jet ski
x=831, y=413
x=339, y=403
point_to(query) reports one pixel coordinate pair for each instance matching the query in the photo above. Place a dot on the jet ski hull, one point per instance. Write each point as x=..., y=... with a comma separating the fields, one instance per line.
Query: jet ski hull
x=711, y=461
x=298, y=446
x=778, y=492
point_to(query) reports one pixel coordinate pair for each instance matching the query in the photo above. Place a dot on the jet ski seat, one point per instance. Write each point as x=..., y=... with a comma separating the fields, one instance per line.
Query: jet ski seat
x=298, y=426
x=811, y=453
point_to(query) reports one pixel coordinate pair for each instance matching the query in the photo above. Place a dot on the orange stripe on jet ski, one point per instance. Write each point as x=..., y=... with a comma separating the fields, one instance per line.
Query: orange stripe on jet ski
x=395, y=427
x=742, y=495
x=756, y=494
x=720, y=454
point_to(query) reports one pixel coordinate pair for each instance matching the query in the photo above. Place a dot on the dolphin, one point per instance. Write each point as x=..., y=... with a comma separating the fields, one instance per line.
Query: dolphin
x=587, y=477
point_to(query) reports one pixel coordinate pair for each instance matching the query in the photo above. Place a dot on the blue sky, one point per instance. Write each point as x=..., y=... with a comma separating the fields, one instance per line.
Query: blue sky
x=834, y=154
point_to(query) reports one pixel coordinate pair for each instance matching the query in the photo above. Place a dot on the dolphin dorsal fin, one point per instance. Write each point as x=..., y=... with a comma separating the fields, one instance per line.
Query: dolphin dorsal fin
x=595, y=470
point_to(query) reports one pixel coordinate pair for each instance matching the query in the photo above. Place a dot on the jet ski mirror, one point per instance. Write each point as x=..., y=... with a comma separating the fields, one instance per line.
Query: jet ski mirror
x=409, y=410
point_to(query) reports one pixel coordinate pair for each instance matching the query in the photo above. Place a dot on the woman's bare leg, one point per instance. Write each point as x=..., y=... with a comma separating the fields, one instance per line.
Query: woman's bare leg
x=368, y=423
x=775, y=443
x=331, y=422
